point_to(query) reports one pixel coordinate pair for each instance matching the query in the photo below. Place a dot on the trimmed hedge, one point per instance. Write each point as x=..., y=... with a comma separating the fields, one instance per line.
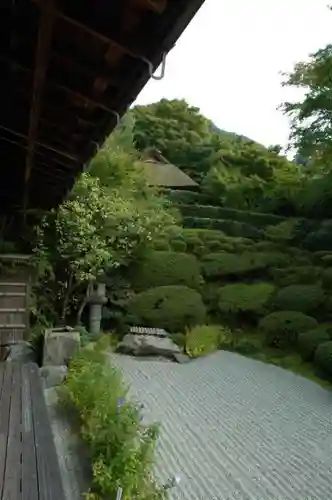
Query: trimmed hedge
x=240, y=297
x=310, y=340
x=296, y=275
x=256, y=219
x=165, y=268
x=217, y=265
x=283, y=327
x=302, y=298
x=323, y=358
x=187, y=197
x=171, y=307
x=232, y=228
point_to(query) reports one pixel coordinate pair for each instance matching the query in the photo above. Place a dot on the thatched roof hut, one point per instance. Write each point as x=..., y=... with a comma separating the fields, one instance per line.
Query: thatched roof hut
x=160, y=172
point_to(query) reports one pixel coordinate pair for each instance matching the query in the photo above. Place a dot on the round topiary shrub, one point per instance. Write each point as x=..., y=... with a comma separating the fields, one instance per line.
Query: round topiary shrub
x=178, y=245
x=161, y=245
x=296, y=275
x=310, y=340
x=216, y=265
x=283, y=327
x=327, y=278
x=240, y=297
x=174, y=308
x=215, y=245
x=302, y=298
x=323, y=358
x=165, y=268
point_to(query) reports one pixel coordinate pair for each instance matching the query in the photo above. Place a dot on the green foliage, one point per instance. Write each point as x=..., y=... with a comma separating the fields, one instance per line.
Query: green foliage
x=205, y=339
x=283, y=327
x=100, y=225
x=215, y=212
x=302, y=298
x=161, y=244
x=323, y=358
x=242, y=298
x=217, y=265
x=327, y=278
x=281, y=233
x=121, y=446
x=297, y=275
x=230, y=227
x=171, y=307
x=309, y=341
x=178, y=245
x=182, y=197
x=165, y=268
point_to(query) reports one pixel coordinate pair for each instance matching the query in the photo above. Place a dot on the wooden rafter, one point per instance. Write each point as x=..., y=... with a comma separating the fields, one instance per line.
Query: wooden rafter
x=65, y=154
x=46, y=24
x=157, y=6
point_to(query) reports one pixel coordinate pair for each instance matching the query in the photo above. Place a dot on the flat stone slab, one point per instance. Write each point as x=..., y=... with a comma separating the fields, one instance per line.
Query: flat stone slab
x=235, y=428
x=181, y=358
x=147, y=345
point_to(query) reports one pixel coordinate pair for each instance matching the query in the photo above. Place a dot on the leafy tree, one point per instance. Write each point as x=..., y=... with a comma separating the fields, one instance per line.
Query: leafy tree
x=109, y=218
x=311, y=116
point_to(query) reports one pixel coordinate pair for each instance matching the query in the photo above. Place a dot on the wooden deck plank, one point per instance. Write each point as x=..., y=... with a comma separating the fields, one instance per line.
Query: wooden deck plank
x=4, y=420
x=48, y=471
x=29, y=461
x=12, y=479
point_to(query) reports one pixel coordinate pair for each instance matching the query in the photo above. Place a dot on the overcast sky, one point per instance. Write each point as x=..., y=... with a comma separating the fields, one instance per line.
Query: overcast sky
x=228, y=61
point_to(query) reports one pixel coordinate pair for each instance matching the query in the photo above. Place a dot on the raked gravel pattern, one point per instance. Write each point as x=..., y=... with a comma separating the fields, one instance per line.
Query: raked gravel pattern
x=236, y=429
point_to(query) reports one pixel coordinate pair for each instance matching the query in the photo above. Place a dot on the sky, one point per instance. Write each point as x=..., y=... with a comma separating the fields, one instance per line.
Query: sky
x=228, y=62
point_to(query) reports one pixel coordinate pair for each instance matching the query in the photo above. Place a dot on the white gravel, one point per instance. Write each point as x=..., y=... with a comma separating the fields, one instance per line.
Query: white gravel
x=236, y=428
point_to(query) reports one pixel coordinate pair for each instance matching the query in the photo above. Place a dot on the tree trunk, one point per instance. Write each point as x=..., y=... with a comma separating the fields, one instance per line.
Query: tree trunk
x=83, y=303
x=66, y=300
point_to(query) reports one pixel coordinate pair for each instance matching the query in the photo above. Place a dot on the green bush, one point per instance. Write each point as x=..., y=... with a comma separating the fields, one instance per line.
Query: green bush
x=188, y=197
x=165, y=268
x=161, y=245
x=216, y=265
x=323, y=358
x=215, y=245
x=230, y=227
x=296, y=275
x=178, y=245
x=310, y=340
x=237, y=298
x=327, y=278
x=205, y=339
x=205, y=235
x=283, y=327
x=171, y=307
x=302, y=298
x=212, y=212
x=121, y=446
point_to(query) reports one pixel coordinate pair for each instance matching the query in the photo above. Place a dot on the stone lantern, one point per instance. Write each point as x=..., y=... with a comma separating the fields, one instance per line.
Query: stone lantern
x=96, y=299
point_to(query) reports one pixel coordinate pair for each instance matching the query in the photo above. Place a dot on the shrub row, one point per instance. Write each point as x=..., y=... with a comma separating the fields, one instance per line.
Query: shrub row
x=259, y=220
x=179, y=196
x=230, y=227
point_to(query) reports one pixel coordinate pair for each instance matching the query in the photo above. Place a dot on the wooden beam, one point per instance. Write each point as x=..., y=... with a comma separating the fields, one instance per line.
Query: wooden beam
x=94, y=33
x=75, y=94
x=75, y=159
x=157, y=6
x=45, y=31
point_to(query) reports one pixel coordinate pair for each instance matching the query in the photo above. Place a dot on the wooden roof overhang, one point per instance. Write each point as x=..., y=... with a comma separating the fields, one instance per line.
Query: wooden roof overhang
x=69, y=70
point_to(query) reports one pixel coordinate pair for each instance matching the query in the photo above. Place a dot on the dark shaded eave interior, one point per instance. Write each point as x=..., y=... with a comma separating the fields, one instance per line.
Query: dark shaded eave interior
x=69, y=70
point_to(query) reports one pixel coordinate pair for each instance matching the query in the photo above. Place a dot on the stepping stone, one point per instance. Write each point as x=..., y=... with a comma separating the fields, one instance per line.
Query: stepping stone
x=181, y=358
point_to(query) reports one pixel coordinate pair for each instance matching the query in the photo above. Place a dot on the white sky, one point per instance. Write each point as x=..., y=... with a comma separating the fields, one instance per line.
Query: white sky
x=228, y=62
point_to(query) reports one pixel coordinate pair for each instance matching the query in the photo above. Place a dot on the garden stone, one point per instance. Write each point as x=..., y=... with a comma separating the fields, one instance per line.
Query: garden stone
x=147, y=345
x=22, y=352
x=60, y=346
x=53, y=375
